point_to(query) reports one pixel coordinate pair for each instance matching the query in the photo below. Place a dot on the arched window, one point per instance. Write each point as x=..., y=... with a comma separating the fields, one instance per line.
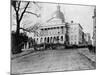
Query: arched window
x=48, y=39
x=61, y=38
x=57, y=39
x=45, y=40
x=34, y=40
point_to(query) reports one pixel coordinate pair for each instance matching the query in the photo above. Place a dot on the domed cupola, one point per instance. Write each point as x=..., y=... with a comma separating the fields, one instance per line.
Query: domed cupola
x=58, y=14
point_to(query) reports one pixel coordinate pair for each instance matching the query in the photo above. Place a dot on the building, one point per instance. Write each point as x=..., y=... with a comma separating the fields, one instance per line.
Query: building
x=56, y=29
x=94, y=28
x=88, y=38
x=75, y=33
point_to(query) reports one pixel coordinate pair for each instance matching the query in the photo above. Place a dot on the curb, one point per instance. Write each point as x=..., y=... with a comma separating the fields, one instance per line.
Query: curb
x=93, y=62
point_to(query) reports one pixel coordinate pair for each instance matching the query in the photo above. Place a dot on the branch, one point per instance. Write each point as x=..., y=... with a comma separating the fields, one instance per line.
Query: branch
x=37, y=4
x=30, y=31
x=23, y=8
x=33, y=13
x=24, y=11
x=19, y=5
x=50, y=19
x=25, y=29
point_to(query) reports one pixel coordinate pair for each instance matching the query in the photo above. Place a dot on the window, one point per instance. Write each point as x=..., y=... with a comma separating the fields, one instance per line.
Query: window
x=75, y=42
x=34, y=40
x=54, y=39
x=54, y=28
x=51, y=28
x=72, y=37
x=41, y=29
x=48, y=28
x=48, y=39
x=58, y=32
x=75, y=29
x=45, y=28
x=41, y=40
x=61, y=27
x=45, y=39
x=57, y=27
x=37, y=39
x=57, y=37
x=75, y=37
x=61, y=38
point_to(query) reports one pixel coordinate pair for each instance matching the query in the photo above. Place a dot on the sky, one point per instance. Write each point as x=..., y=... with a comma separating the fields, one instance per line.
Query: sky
x=78, y=13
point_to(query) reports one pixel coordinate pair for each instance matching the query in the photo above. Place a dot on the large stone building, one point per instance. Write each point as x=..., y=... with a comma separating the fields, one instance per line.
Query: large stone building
x=56, y=29
x=75, y=33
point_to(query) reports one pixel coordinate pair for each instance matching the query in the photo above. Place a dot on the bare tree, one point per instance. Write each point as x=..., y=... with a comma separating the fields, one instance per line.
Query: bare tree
x=20, y=9
x=19, y=12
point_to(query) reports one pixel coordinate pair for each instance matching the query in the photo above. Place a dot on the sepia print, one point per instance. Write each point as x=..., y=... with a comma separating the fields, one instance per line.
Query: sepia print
x=52, y=37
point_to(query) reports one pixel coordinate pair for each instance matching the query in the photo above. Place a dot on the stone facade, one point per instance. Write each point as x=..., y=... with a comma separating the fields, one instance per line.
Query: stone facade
x=55, y=31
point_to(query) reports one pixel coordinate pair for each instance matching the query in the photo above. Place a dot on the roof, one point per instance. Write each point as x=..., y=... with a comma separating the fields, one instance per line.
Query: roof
x=76, y=24
x=58, y=14
x=51, y=26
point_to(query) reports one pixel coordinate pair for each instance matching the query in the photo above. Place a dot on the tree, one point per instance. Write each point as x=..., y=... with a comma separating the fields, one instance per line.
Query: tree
x=18, y=39
x=19, y=12
x=17, y=42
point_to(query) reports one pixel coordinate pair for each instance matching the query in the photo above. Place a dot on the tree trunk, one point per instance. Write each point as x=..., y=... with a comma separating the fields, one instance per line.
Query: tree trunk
x=18, y=23
x=18, y=28
x=18, y=38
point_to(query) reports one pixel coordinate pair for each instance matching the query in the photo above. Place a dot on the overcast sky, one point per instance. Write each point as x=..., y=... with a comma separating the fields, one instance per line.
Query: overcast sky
x=77, y=13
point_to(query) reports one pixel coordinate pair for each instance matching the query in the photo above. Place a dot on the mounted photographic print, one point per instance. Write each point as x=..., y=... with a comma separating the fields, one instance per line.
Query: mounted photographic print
x=52, y=37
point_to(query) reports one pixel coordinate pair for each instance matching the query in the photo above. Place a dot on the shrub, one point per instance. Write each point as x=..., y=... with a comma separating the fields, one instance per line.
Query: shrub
x=17, y=42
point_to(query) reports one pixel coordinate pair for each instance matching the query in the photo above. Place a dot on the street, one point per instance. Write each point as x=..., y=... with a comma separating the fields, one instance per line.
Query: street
x=51, y=60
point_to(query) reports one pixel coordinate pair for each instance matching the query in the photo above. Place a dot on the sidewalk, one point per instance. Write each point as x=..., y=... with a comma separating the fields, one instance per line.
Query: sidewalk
x=21, y=54
x=88, y=54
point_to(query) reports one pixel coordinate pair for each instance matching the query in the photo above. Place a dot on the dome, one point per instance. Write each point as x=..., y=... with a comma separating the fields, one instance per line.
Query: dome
x=58, y=14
